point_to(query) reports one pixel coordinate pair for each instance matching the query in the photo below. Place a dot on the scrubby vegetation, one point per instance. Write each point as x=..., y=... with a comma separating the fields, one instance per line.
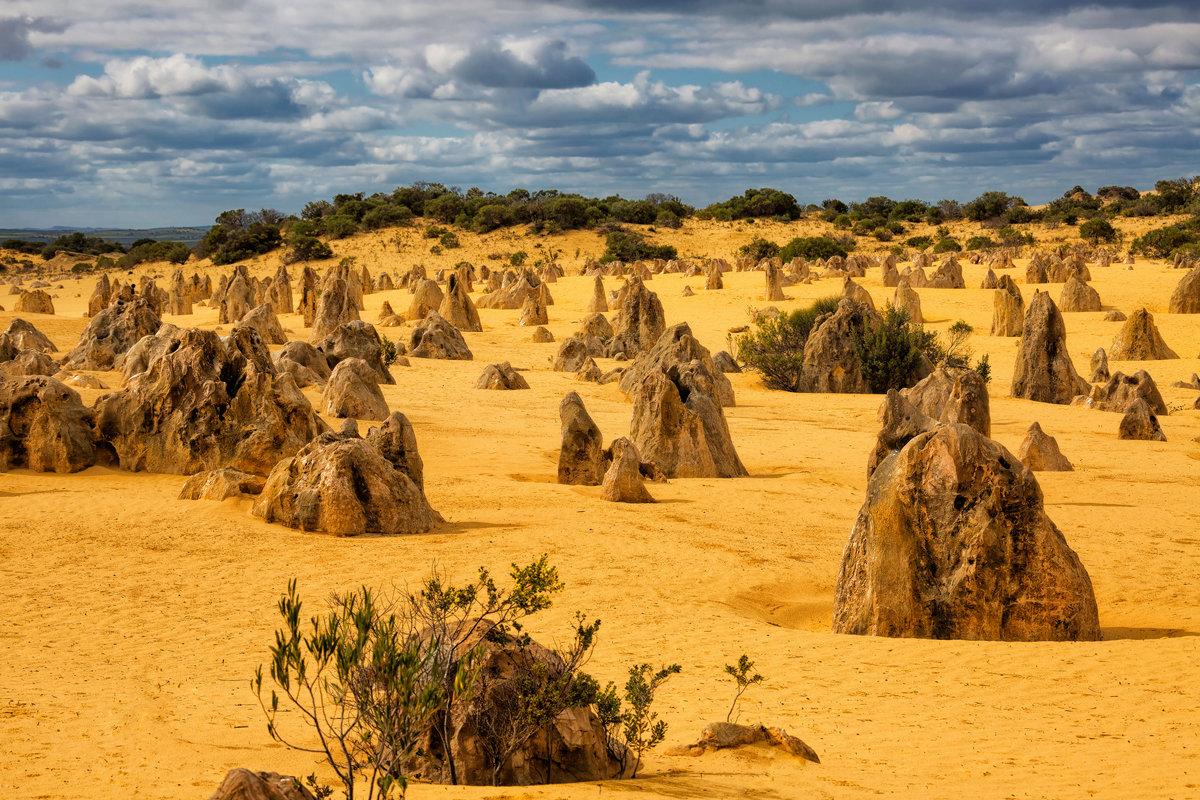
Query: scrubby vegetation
x=775, y=349
x=625, y=245
x=813, y=247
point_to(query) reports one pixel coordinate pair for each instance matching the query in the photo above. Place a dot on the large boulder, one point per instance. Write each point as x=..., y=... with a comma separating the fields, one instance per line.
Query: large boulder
x=1139, y=340
x=280, y=293
x=23, y=335
x=356, y=339
x=308, y=365
x=34, y=302
x=1044, y=371
x=18, y=363
x=830, y=362
x=1140, y=422
x=1039, y=451
x=572, y=354
x=676, y=346
x=623, y=481
x=857, y=293
x=1121, y=391
x=110, y=333
x=501, y=376
x=237, y=299
x=953, y=542
x=206, y=404
x=262, y=318
x=44, y=426
x=1008, y=310
x=353, y=392
x=1186, y=297
x=242, y=784
x=148, y=349
x=437, y=338
x=343, y=485
x=581, y=458
x=456, y=307
x=948, y=276
x=597, y=303
x=678, y=424
x=513, y=290
x=221, y=484
x=1078, y=296
x=1099, y=366
x=639, y=322
x=334, y=306
x=953, y=395
x=101, y=296
x=533, y=312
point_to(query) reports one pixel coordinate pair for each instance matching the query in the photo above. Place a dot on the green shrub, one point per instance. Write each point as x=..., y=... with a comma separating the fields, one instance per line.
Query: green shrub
x=812, y=247
x=306, y=248
x=1163, y=242
x=449, y=240
x=775, y=349
x=882, y=234
x=387, y=216
x=980, y=243
x=518, y=258
x=434, y=231
x=759, y=249
x=890, y=350
x=668, y=219
x=919, y=242
x=1097, y=230
x=842, y=222
x=387, y=351
x=632, y=246
x=947, y=245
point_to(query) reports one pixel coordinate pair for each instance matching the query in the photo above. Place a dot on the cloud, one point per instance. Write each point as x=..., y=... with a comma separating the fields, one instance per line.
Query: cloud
x=14, y=35
x=538, y=65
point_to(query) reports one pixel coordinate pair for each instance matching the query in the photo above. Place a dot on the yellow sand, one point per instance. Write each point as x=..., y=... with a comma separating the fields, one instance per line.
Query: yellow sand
x=131, y=622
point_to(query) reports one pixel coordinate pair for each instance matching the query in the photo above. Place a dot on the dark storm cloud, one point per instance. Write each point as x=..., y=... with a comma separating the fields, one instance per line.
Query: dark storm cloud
x=14, y=35
x=548, y=67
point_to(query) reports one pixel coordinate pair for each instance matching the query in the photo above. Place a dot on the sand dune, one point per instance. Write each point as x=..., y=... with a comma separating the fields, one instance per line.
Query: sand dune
x=133, y=621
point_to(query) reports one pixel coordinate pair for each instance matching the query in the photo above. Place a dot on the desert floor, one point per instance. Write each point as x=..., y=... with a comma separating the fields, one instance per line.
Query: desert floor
x=131, y=622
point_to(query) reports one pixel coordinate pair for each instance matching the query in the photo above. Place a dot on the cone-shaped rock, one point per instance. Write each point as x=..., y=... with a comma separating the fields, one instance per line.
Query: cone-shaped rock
x=456, y=307
x=110, y=333
x=908, y=301
x=581, y=457
x=1039, y=451
x=1008, y=314
x=501, y=376
x=639, y=323
x=437, y=338
x=353, y=391
x=1044, y=371
x=597, y=303
x=1139, y=340
x=1140, y=422
x=1078, y=296
x=623, y=482
x=263, y=320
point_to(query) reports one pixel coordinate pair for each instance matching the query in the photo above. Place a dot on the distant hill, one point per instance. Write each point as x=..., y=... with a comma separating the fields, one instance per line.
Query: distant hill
x=123, y=236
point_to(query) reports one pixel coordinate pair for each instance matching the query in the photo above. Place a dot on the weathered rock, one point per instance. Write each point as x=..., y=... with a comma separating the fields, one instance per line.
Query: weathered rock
x=679, y=426
x=1036, y=272
x=35, y=302
x=948, y=276
x=953, y=543
x=237, y=299
x=571, y=355
x=589, y=371
x=581, y=457
x=334, y=307
x=1140, y=422
x=101, y=296
x=1114, y=315
x=26, y=362
x=206, y=404
x=434, y=337
x=830, y=363
x=908, y=301
x=541, y=335
x=774, y=280
x=44, y=426
x=857, y=293
x=110, y=333
x=722, y=735
x=513, y=290
x=639, y=323
x=501, y=376
x=427, y=296
x=1099, y=366
x=1008, y=311
x=533, y=312
x=1044, y=371
x=953, y=395
x=900, y=423
x=220, y=484
x=677, y=347
x=597, y=304
x=1186, y=297
x=148, y=349
x=713, y=280
x=263, y=320
x=1078, y=296
x=396, y=441
x=280, y=293
x=344, y=486
x=356, y=339
x=307, y=365
x=456, y=307
x=1139, y=340
x=308, y=291
x=1040, y=452
x=353, y=391
x=989, y=280
x=1121, y=391
x=623, y=482
x=725, y=362
x=687, y=292
x=23, y=335
x=242, y=784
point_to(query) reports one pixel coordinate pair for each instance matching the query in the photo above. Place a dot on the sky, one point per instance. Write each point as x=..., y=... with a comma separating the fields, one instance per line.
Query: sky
x=128, y=113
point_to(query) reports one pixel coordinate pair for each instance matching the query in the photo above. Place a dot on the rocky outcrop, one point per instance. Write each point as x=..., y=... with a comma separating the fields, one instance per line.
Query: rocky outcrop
x=44, y=426
x=208, y=403
x=265, y=323
x=774, y=279
x=1078, y=296
x=1186, y=297
x=22, y=335
x=308, y=291
x=1008, y=311
x=722, y=735
x=725, y=363
x=953, y=395
x=237, y=299
x=623, y=481
x=457, y=309
x=356, y=339
x=307, y=365
x=953, y=542
x=639, y=322
x=501, y=376
x=101, y=296
x=110, y=333
x=533, y=312
x=677, y=347
x=990, y=281
x=342, y=485
x=1099, y=366
x=581, y=458
x=1044, y=371
x=1040, y=452
x=830, y=363
x=908, y=301
x=242, y=784
x=1140, y=422
x=34, y=302
x=353, y=391
x=334, y=307
x=678, y=424
x=572, y=354
x=948, y=276
x=148, y=349
x=437, y=338
x=597, y=303
x=541, y=335
x=1121, y=391
x=1139, y=340
x=221, y=484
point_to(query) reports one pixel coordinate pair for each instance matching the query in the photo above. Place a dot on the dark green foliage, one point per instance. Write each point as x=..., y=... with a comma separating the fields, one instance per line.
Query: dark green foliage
x=1118, y=193
x=239, y=235
x=632, y=246
x=668, y=219
x=1097, y=230
x=984, y=368
x=145, y=250
x=947, y=245
x=759, y=249
x=775, y=349
x=1163, y=242
x=306, y=248
x=919, y=242
x=387, y=216
x=812, y=247
x=980, y=243
x=78, y=242
x=1176, y=195
x=449, y=240
x=756, y=203
x=1011, y=237
x=22, y=246
x=990, y=205
x=387, y=351
x=890, y=350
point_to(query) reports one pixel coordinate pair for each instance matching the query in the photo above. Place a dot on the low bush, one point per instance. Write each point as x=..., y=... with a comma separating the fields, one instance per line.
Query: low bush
x=758, y=249
x=812, y=247
x=775, y=349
